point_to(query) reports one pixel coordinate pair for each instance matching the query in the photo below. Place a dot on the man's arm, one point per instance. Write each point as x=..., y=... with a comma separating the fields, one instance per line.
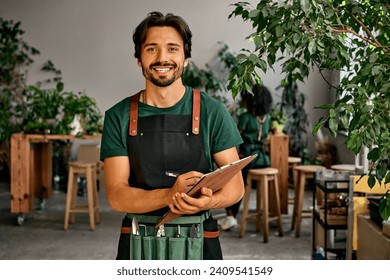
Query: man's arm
x=124, y=198
x=234, y=189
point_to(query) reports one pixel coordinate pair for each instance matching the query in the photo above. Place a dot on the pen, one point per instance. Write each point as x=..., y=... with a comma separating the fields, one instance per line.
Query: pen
x=171, y=174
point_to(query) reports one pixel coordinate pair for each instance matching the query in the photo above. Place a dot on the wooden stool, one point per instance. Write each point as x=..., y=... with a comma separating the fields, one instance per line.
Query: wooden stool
x=343, y=167
x=304, y=172
x=263, y=176
x=76, y=169
x=292, y=163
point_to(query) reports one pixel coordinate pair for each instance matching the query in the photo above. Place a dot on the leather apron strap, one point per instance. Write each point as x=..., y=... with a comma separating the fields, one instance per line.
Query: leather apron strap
x=133, y=124
x=196, y=112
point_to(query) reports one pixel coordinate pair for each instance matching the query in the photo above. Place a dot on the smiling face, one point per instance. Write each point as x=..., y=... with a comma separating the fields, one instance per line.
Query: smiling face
x=162, y=56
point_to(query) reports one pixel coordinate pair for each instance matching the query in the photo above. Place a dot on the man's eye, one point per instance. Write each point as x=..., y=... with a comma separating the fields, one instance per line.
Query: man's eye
x=174, y=49
x=151, y=49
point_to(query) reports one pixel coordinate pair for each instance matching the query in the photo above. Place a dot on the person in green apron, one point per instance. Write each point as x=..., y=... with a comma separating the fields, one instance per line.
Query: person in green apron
x=254, y=125
x=158, y=142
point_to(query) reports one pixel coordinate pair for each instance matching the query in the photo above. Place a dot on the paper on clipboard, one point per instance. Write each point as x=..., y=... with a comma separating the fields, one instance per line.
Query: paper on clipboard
x=214, y=180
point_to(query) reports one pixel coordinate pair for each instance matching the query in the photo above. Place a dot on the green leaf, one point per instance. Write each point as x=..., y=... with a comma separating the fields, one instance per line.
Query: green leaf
x=332, y=113
x=384, y=206
x=333, y=126
x=367, y=69
x=387, y=179
x=371, y=181
x=305, y=5
x=254, y=13
x=296, y=38
x=381, y=171
x=60, y=86
x=374, y=154
x=318, y=125
x=376, y=70
x=279, y=31
x=385, y=88
x=373, y=57
x=325, y=106
x=263, y=65
x=312, y=47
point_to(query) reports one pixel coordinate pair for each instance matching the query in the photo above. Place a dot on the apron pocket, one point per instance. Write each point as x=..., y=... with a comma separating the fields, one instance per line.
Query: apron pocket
x=136, y=247
x=194, y=249
x=148, y=245
x=177, y=248
x=161, y=248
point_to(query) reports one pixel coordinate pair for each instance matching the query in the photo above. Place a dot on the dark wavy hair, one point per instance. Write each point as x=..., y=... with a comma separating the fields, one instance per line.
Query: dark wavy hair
x=260, y=102
x=158, y=19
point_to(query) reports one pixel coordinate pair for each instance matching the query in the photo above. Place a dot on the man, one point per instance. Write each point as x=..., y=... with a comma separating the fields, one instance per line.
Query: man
x=158, y=143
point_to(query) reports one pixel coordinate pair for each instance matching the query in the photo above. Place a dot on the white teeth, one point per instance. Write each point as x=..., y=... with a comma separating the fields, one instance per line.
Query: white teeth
x=162, y=69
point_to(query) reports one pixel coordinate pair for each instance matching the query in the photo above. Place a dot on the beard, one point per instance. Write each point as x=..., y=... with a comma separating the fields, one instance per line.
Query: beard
x=163, y=80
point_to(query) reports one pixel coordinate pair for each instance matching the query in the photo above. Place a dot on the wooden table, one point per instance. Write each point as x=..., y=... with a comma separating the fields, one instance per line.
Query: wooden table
x=31, y=168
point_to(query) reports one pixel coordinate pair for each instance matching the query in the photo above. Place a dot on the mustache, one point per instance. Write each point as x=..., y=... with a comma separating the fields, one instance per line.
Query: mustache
x=159, y=63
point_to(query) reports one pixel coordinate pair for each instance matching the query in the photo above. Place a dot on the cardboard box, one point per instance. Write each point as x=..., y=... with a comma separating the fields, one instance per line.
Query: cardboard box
x=372, y=243
x=91, y=153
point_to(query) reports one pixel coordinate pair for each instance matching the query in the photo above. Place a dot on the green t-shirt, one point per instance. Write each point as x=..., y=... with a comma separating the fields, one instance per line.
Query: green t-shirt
x=217, y=128
x=250, y=127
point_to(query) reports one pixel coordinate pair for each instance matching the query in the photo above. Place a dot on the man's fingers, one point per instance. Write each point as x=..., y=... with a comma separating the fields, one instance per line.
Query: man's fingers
x=182, y=206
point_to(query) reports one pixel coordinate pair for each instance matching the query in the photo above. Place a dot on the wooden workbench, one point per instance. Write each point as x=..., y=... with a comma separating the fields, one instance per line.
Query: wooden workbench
x=31, y=168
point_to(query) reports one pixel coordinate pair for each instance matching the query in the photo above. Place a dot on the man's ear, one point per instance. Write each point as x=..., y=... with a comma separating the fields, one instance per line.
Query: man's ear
x=186, y=62
x=139, y=62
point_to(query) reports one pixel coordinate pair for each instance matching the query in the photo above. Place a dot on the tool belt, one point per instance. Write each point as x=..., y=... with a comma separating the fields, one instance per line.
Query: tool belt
x=179, y=239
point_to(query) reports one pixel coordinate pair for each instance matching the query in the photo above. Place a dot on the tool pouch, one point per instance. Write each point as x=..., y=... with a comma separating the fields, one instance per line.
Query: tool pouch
x=149, y=246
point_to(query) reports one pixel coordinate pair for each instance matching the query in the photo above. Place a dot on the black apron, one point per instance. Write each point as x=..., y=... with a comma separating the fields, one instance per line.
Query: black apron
x=162, y=144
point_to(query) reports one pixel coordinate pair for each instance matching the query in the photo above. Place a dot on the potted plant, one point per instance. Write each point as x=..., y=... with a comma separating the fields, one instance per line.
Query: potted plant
x=278, y=121
x=43, y=107
x=351, y=36
x=83, y=109
x=15, y=57
x=292, y=104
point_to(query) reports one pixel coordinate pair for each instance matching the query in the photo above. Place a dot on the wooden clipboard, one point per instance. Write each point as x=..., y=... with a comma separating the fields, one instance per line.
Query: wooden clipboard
x=214, y=180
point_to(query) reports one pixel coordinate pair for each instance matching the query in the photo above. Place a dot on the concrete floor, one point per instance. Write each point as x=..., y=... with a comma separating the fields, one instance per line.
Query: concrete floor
x=42, y=237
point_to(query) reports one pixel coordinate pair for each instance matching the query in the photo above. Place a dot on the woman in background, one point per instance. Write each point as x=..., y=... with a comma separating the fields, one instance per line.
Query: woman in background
x=254, y=126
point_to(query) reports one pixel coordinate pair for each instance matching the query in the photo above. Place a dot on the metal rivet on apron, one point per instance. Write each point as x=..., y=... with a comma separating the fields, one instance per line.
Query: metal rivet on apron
x=133, y=131
x=196, y=129
x=142, y=134
x=187, y=134
x=196, y=118
x=133, y=120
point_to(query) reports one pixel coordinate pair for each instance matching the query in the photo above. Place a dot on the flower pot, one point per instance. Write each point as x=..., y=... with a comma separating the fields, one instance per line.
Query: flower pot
x=76, y=125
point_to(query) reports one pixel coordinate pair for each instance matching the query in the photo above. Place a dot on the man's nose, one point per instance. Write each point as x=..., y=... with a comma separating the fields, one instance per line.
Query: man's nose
x=162, y=55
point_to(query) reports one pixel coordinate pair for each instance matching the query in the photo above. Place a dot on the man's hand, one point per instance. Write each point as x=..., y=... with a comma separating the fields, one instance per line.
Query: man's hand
x=185, y=204
x=184, y=182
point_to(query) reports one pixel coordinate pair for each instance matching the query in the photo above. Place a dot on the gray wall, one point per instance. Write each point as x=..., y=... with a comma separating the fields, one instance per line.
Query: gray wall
x=90, y=41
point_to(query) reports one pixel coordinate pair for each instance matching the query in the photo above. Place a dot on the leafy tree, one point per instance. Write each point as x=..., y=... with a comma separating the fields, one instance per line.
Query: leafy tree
x=352, y=36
